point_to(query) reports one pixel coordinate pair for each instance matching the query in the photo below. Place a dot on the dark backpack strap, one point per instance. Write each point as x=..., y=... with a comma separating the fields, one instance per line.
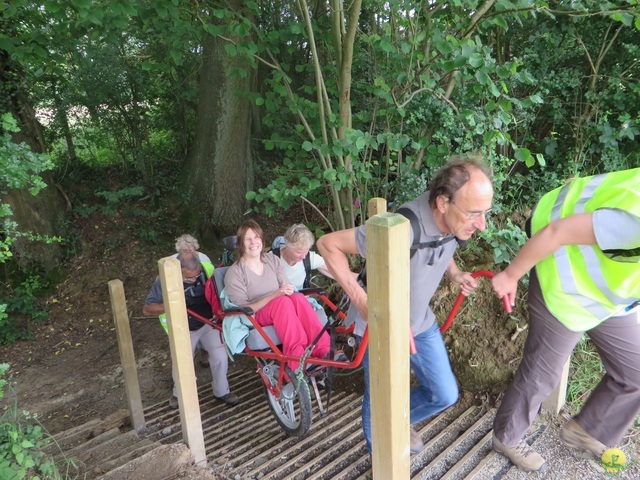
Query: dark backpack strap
x=306, y=262
x=415, y=226
x=276, y=251
x=415, y=245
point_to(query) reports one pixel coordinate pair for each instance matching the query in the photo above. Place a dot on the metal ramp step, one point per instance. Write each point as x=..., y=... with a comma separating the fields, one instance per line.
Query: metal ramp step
x=245, y=442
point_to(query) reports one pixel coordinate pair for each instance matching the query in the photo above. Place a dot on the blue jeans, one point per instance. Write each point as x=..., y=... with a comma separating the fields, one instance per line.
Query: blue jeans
x=438, y=389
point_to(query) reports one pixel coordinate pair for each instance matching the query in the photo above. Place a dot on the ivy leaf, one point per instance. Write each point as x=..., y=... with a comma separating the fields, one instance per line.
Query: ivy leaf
x=386, y=46
x=524, y=155
x=176, y=56
x=476, y=61
x=443, y=46
x=482, y=77
x=330, y=174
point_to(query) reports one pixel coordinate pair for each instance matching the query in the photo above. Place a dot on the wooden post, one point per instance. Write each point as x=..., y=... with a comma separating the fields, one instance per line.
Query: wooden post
x=389, y=333
x=181, y=357
x=127, y=357
x=556, y=399
x=376, y=206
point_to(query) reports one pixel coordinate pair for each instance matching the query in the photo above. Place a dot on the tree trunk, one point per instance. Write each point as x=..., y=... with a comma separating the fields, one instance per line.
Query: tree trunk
x=219, y=168
x=41, y=214
x=63, y=120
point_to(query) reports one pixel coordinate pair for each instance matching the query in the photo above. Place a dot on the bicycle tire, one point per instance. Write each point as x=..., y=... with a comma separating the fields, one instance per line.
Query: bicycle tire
x=293, y=408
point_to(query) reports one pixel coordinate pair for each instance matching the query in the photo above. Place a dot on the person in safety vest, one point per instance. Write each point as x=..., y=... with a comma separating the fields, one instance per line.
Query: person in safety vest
x=586, y=252
x=194, y=277
x=455, y=207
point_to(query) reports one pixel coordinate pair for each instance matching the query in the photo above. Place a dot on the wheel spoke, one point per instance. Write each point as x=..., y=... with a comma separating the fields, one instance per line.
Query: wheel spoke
x=292, y=407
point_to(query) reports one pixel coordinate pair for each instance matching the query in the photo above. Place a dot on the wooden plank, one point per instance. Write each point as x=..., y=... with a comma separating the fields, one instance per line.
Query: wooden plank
x=389, y=336
x=127, y=357
x=181, y=357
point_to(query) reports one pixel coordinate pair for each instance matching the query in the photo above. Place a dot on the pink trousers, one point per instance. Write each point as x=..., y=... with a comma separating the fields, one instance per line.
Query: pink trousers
x=297, y=325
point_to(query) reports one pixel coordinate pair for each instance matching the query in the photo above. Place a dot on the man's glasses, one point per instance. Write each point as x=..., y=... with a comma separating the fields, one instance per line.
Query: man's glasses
x=191, y=279
x=471, y=215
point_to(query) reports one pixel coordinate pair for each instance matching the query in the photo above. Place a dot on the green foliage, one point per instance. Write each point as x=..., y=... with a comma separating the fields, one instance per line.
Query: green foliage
x=545, y=93
x=20, y=168
x=116, y=198
x=21, y=443
x=23, y=300
x=504, y=242
x=406, y=118
x=585, y=372
x=407, y=186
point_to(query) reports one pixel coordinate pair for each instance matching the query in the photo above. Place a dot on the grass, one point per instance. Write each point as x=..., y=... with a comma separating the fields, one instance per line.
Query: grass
x=585, y=373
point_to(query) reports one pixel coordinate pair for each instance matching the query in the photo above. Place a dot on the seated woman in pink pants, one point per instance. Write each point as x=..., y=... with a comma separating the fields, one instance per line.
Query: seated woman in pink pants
x=257, y=280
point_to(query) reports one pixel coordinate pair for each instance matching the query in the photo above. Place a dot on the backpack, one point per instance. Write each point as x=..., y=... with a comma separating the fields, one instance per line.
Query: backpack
x=415, y=226
x=278, y=243
x=415, y=246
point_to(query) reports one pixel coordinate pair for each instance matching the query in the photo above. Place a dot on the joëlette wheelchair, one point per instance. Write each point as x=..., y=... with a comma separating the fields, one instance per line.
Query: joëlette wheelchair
x=289, y=392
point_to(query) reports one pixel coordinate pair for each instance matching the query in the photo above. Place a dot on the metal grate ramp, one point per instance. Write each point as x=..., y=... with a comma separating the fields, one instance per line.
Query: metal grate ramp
x=245, y=442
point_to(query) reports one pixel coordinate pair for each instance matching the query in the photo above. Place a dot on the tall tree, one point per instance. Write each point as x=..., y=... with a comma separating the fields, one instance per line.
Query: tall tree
x=219, y=170
x=25, y=215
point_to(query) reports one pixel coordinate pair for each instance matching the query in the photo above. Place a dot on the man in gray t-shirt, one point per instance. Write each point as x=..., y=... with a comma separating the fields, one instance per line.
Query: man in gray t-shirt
x=456, y=205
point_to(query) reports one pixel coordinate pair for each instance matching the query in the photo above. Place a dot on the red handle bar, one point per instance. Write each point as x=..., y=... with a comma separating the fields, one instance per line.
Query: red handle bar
x=461, y=297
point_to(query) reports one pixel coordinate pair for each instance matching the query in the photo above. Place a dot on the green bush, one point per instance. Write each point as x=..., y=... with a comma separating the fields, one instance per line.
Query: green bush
x=21, y=298
x=504, y=242
x=21, y=443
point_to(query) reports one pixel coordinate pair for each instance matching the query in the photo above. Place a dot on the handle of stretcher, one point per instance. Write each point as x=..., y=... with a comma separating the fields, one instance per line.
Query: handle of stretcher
x=456, y=306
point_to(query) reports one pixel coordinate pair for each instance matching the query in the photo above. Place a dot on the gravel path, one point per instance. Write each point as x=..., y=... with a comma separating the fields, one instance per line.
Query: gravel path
x=563, y=463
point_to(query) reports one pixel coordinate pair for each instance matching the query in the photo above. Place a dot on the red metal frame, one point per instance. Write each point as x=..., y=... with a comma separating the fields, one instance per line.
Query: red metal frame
x=456, y=306
x=277, y=355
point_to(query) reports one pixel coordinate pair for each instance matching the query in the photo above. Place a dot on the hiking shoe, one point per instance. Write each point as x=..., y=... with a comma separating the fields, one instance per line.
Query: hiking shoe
x=415, y=442
x=173, y=402
x=574, y=436
x=522, y=455
x=230, y=399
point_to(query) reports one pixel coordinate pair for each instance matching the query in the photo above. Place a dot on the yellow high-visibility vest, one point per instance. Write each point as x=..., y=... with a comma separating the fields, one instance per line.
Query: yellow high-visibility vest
x=583, y=286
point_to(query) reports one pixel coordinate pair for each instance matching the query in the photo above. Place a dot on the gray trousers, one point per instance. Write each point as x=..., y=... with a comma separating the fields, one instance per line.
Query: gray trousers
x=611, y=407
x=210, y=339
